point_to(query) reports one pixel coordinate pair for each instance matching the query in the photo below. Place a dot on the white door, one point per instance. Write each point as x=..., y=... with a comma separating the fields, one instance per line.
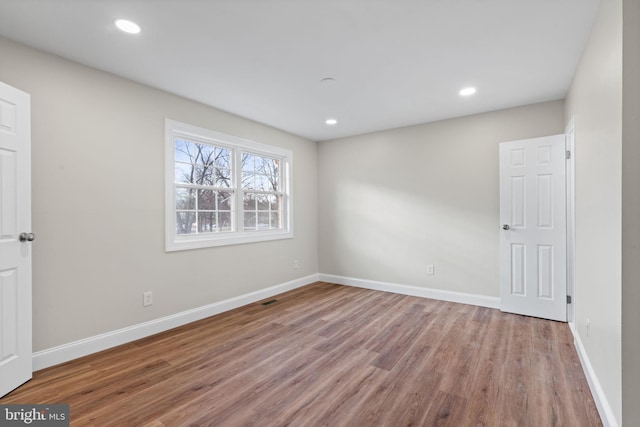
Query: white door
x=533, y=227
x=15, y=226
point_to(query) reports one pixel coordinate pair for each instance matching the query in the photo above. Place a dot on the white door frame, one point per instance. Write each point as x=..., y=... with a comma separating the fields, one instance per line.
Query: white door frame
x=571, y=218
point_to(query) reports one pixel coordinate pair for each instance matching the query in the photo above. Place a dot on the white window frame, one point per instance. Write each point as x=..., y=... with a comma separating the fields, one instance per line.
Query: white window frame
x=176, y=242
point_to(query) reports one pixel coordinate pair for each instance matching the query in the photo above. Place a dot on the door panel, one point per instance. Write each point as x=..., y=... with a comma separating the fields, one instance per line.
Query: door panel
x=533, y=235
x=518, y=200
x=8, y=321
x=15, y=255
x=518, y=276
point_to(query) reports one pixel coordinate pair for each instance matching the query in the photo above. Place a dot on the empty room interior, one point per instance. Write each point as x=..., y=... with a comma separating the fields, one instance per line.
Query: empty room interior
x=321, y=213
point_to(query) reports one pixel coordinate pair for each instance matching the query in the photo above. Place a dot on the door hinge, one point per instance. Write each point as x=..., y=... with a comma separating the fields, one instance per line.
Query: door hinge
x=568, y=299
x=568, y=154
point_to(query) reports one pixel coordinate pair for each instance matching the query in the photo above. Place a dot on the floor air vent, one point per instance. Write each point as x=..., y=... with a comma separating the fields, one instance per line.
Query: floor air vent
x=271, y=301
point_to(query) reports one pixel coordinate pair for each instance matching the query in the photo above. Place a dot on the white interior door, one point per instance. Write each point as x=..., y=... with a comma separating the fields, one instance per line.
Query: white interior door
x=533, y=227
x=15, y=237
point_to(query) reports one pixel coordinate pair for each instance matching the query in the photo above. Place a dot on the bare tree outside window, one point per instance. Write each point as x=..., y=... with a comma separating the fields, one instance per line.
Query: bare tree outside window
x=203, y=188
x=261, y=192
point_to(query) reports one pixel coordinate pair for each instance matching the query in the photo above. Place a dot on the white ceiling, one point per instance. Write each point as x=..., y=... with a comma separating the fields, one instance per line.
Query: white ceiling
x=396, y=62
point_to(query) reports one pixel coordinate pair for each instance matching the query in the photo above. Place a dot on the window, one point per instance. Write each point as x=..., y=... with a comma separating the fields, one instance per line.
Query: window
x=261, y=195
x=223, y=190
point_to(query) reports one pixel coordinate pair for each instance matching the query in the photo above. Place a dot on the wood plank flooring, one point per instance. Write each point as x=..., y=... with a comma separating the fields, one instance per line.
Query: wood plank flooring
x=330, y=355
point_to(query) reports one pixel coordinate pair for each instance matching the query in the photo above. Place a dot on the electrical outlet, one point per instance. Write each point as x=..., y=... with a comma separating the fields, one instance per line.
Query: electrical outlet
x=588, y=327
x=296, y=264
x=147, y=299
x=431, y=270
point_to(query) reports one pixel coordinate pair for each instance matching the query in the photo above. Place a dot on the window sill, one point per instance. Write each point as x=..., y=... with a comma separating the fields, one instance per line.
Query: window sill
x=182, y=243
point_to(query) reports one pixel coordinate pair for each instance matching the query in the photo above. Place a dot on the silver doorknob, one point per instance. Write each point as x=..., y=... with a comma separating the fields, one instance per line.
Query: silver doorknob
x=506, y=227
x=27, y=237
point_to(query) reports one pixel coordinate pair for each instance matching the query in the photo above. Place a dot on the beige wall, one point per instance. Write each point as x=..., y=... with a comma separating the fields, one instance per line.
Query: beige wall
x=392, y=202
x=631, y=213
x=595, y=100
x=98, y=203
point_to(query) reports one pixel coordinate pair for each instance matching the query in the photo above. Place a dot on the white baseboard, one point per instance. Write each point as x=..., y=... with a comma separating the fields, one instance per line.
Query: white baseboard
x=604, y=408
x=439, y=294
x=73, y=350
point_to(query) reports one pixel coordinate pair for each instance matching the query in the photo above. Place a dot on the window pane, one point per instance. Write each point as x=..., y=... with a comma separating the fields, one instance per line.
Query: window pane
x=275, y=202
x=249, y=220
x=205, y=175
x=273, y=182
x=275, y=166
x=206, y=200
x=260, y=164
x=271, y=167
x=222, y=158
x=275, y=220
x=185, y=198
x=184, y=173
x=207, y=222
x=263, y=202
x=249, y=202
x=224, y=221
x=248, y=162
x=263, y=220
x=183, y=151
x=263, y=176
x=185, y=222
x=204, y=167
x=222, y=178
x=204, y=154
x=248, y=181
x=261, y=182
x=224, y=200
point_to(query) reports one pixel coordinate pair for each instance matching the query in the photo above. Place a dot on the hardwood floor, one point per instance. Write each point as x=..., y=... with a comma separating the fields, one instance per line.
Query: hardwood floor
x=330, y=355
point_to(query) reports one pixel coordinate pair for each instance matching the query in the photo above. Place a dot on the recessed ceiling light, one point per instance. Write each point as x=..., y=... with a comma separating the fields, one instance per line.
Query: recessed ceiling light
x=127, y=26
x=331, y=122
x=467, y=91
